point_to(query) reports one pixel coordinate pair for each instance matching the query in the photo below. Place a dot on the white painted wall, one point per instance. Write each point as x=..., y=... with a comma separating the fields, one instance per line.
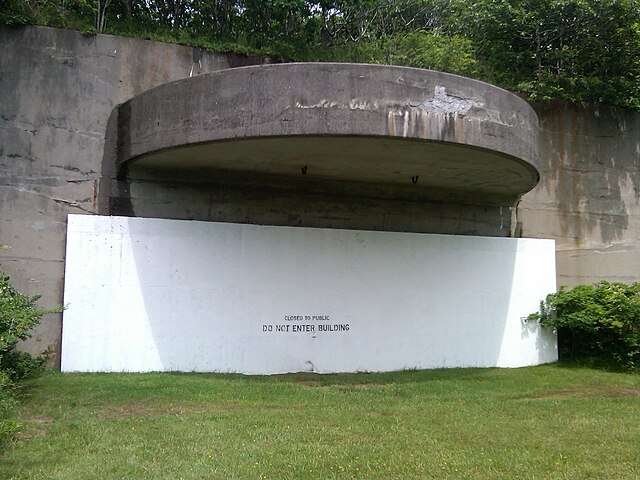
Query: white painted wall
x=161, y=295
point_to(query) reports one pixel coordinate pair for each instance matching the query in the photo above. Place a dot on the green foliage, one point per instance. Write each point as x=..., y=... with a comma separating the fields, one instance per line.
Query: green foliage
x=19, y=314
x=578, y=50
x=21, y=365
x=575, y=50
x=76, y=14
x=599, y=321
x=14, y=12
x=434, y=51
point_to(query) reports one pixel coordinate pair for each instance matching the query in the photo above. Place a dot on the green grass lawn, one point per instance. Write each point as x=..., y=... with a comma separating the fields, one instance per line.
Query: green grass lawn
x=554, y=422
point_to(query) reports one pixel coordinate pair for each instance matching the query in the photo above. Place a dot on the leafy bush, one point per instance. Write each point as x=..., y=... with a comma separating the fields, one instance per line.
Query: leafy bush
x=20, y=365
x=19, y=314
x=454, y=54
x=600, y=322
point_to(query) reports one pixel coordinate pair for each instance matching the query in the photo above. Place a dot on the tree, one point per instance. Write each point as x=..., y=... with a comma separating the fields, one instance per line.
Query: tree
x=101, y=14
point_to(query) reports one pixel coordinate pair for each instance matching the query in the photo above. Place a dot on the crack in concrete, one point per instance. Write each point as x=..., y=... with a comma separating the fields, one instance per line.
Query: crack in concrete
x=74, y=169
x=38, y=259
x=71, y=203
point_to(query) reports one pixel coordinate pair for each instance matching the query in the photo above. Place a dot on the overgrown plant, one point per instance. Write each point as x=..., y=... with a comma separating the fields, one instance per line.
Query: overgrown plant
x=596, y=322
x=19, y=314
x=573, y=50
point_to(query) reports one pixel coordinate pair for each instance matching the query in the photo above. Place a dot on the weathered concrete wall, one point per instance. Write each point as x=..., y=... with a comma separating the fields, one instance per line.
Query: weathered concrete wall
x=57, y=90
x=589, y=196
x=278, y=201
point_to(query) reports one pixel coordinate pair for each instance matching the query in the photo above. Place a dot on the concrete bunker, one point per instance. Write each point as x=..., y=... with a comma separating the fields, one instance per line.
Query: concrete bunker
x=300, y=135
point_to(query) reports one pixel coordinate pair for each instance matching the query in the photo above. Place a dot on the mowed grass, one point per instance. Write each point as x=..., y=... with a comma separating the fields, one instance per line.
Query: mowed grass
x=555, y=422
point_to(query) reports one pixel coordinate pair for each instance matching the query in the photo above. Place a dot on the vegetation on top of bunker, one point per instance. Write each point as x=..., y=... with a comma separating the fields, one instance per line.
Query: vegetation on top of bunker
x=575, y=50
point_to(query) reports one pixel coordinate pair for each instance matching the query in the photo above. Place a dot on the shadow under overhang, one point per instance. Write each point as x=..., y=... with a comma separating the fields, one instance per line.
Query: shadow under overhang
x=372, y=166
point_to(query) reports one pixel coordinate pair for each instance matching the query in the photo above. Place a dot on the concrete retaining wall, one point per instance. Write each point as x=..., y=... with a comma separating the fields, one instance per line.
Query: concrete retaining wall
x=57, y=91
x=588, y=199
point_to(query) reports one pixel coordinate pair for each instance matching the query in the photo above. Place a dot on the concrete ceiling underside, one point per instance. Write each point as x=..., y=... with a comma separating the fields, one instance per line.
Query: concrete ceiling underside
x=409, y=165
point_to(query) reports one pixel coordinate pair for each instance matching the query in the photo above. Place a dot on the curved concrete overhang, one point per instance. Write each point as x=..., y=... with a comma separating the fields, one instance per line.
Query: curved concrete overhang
x=410, y=129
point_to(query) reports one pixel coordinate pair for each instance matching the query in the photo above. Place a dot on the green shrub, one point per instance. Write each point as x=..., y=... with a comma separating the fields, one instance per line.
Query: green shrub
x=454, y=54
x=596, y=322
x=21, y=365
x=19, y=314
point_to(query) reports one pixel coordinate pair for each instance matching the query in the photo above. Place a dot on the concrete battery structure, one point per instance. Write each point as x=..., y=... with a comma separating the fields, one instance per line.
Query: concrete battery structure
x=312, y=292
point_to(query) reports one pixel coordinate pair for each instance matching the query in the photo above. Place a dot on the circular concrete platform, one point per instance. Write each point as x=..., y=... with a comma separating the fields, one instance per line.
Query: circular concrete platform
x=410, y=128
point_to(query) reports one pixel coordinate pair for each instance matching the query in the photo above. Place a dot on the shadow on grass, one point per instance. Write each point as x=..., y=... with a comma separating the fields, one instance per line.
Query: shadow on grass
x=595, y=364
x=364, y=378
x=453, y=375
x=398, y=377
x=440, y=375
